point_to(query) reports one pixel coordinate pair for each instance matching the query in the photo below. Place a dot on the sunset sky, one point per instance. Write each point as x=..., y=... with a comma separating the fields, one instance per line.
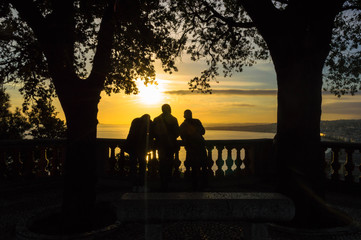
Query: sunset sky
x=247, y=97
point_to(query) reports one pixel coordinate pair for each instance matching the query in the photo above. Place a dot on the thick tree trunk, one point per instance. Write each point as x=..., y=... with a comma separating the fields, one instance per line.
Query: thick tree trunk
x=80, y=177
x=297, y=141
x=298, y=39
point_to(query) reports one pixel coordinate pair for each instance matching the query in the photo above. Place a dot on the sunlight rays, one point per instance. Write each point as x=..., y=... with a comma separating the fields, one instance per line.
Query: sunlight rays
x=151, y=94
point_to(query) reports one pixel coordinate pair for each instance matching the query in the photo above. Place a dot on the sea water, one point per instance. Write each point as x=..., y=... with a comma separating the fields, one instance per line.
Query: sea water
x=118, y=131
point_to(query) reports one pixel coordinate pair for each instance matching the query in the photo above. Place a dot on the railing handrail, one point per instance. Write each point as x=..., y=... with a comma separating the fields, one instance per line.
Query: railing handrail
x=330, y=144
x=45, y=157
x=48, y=141
x=17, y=142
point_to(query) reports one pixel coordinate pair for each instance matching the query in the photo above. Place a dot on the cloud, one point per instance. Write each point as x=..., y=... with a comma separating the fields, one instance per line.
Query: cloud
x=227, y=92
x=343, y=108
x=243, y=105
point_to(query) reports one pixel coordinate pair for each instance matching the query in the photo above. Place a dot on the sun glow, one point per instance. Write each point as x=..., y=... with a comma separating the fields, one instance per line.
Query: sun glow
x=150, y=94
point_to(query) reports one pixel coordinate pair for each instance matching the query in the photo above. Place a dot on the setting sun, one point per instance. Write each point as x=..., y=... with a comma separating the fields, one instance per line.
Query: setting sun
x=150, y=94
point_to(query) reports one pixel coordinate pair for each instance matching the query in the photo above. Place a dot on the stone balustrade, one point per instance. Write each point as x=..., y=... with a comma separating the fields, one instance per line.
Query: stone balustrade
x=342, y=161
x=27, y=158
x=225, y=158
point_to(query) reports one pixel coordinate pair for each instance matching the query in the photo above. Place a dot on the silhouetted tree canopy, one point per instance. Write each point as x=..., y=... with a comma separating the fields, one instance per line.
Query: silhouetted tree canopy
x=223, y=33
x=141, y=35
x=76, y=49
x=44, y=121
x=12, y=125
x=40, y=122
x=313, y=45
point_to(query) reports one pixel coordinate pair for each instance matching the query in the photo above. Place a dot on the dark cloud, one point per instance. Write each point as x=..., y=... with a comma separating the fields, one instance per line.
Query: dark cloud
x=242, y=105
x=349, y=108
x=227, y=92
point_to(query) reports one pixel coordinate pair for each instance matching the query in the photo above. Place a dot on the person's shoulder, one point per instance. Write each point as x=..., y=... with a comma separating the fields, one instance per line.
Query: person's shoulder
x=157, y=118
x=173, y=118
x=197, y=120
x=183, y=124
x=135, y=120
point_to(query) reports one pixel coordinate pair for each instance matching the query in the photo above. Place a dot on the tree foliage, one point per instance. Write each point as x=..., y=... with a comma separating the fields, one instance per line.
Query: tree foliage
x=142, y=34
x=343, y=66
x=39, y=122
x=12, y=125
x=222, y=33
x=44, y=121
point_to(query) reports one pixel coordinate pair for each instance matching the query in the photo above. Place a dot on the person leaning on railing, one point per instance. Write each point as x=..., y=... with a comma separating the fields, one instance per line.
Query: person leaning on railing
x=137, y=146
x=191, y=132
x=166, y=132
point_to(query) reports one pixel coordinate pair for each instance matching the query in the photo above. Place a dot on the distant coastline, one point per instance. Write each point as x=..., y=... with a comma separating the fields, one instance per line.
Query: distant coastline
x=332, y=130
x=267, y=128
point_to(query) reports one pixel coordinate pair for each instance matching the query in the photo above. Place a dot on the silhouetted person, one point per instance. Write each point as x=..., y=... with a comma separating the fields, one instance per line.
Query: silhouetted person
x=191, y=132
x=137, y=146
x=166, y=132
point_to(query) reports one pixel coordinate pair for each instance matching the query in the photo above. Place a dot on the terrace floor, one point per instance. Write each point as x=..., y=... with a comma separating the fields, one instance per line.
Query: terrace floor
x=20, y=199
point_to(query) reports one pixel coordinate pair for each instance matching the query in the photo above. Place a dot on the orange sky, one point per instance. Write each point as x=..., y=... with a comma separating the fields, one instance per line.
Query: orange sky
x=247, y=97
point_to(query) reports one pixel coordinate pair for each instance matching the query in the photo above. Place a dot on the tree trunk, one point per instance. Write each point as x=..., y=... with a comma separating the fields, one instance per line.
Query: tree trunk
x=80, y=108
x=297, y=142
x=299, y=40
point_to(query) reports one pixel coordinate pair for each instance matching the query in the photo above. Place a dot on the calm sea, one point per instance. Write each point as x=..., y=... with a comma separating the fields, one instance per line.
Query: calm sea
x=119, y=131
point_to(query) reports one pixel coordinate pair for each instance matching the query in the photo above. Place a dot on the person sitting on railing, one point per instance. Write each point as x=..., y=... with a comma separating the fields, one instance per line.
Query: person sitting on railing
x=166, y=132
x=137, y=146
x=191, y=132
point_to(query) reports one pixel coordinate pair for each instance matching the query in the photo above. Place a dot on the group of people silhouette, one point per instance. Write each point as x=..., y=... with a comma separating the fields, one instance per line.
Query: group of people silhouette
x=164, y=131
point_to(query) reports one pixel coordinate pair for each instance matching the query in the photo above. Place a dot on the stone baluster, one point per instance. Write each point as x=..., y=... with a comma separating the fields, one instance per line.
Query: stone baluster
x=247, y=162
x=17, y=164
x=238, y=162
x=177, y=164
x=153, y=165
x=112, y=161
x=229, y=161
x=57, y=161
x=335, y=164
x=62, y=156
x=3, y=166
x=209, y=161
x=358, y=165
x=219, y=161
x=43, y=163
x=187, y=165
x=350, y=166
x=122, y=164
x=326, y=164
x=28, y=160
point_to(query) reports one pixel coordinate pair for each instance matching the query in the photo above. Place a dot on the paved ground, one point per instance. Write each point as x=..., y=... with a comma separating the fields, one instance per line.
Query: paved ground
x=21, y=199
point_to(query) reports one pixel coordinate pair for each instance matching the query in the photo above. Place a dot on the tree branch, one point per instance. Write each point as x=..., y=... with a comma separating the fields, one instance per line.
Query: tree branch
x=102, y=56
x=228, y=20
x=262, y=12
x=283, y=1
x=30, y=14
x=351, y=8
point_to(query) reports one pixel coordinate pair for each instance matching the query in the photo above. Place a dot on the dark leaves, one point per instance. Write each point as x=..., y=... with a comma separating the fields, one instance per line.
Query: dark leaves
x=343, y=66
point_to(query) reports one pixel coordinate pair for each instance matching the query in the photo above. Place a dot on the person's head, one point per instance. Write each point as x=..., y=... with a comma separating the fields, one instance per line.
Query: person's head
x=145, y=117
x=188, y=114
x=166, y=109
